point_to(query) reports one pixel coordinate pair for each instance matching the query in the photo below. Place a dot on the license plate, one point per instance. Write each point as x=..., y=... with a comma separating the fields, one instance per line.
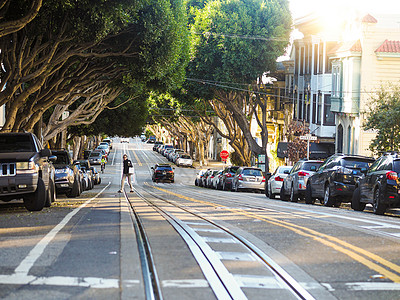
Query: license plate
x=252, y=179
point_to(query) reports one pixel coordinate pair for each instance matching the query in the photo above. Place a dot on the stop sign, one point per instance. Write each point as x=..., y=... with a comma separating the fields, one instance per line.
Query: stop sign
x=224, y=154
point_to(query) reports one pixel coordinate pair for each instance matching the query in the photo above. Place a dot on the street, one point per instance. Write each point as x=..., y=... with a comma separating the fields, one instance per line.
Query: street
x=180, y=241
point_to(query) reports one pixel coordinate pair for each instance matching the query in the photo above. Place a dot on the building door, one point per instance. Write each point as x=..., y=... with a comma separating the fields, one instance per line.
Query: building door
x=339, y=139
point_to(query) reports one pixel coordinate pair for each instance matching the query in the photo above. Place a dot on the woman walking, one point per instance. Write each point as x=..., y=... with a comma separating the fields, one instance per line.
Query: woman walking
x=127, y=171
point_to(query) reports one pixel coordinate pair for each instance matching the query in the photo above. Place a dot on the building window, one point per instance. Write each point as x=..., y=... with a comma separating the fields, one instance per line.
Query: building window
x=307, y=105
x=309, y=59
x=353, y=144
x=340, y=139
x=329, y=117
x=314, y=108
x=301, y=106
x=321, y=59
x=302, y=61
x=319, y=108
x=296, y=61
x=315, y=59
x=349, y=140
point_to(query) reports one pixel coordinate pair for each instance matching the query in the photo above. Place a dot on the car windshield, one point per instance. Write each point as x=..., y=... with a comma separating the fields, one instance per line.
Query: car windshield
x=62, y=159
x=185, y=156
x=252, y=172
x=352, y=163
x=96, y=154
x=311, y=165
x=281, y=170
x=102, y=147
x=164, y=168
x=233, y=170
x=20, y=143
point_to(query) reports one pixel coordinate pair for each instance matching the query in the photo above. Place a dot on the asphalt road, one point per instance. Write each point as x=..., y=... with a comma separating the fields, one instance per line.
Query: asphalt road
x=86, y=248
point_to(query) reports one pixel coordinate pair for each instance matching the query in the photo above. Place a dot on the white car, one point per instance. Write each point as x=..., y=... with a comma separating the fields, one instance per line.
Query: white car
x=274, y=183
x=124, y=140
x=184, y=160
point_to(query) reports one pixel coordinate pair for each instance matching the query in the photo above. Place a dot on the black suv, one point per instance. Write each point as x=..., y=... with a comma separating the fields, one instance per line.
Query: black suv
x=335, y=179
x=380, y=186
x=163, y=172
x=227, y=177
x=67, y=175
x=26, y=171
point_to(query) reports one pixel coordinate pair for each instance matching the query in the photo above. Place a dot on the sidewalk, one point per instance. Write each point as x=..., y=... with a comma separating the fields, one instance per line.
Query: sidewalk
x=211, y=164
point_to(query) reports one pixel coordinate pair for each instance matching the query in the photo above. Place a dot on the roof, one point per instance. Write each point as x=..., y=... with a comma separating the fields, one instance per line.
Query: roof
x=369, y=19
x=389, y=47
x=347, y=46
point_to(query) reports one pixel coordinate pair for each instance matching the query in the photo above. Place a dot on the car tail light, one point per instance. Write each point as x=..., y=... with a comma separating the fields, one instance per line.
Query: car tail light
x=391, y=175
x=263, y=180
x=229, y=175
x=343, y=170
x=278, y=178
x=303, y=174
x=240, y=177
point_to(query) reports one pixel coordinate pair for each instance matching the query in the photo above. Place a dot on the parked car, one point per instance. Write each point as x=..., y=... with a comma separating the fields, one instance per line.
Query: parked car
x=109, y=141
x=162, y=172
x=66, y=175
x=335, y=179
x=380, y=186
x=294, y=185
x=95, y=157
x=157, y=144
x=227, y=177
x=248, y=178
x=124, y=140
x=184, y=160
x=97, y=178
x=103, y=147
x=87, y=172
x=26, y=171
x=215, y=182
x=210, y=179
x=167, y=152
x=165, y=149
x=205, y=176
x=199, y=177
x=274, y=183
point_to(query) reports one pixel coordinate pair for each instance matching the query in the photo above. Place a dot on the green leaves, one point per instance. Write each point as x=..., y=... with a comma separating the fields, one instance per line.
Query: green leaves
x=383, y=117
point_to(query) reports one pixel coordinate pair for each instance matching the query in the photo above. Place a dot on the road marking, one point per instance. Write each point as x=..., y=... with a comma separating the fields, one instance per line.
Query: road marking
x=24, y=267
x=373, y=286
x=209, y=239
x=240, y=256
x=137, y=158
x=252, y=281
x=90, y=282
x=185, y=283
x=350, y=250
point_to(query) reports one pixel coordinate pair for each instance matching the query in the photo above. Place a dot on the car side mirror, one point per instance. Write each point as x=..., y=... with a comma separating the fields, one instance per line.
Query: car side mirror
x=313, y=168
x=286, y=172
x=45, y=152
x=53, y=158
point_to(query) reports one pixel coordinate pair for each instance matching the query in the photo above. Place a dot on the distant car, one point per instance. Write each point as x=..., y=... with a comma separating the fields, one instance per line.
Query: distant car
x=156, y=145
x=124, y=140
x=380, y=186
x=151, y=140
x=104, y=147
x=210, y=179
x=227, y=176
x=95, y=157
x=163, y=172
x=199, y=177
x=109, y=141
x=184, y=160
x=274, y=183
x=334, y=181
x=216, y=179
x=85, y=168
x=248, y=178
x=67, y=178
x=294, y=184
x=165, y=148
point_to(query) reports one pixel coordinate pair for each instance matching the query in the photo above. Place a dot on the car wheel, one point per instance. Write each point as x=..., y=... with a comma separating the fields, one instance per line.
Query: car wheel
x=379, y=208
x=308, y=198
x=50, y=194
x=195, y=182
x=270, y=193
x=294, y=197
x=36, y=200
x=235, y=189
x=224, y=186
x=282, y=193
x=328, y=199
x=75, y=190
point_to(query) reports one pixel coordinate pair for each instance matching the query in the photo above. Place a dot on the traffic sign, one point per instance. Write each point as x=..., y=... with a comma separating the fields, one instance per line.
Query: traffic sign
x=224, y=154
x=308, y=137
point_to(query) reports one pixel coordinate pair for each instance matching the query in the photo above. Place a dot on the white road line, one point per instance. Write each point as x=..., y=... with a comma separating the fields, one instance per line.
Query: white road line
x=373, y=286
x=38, y=250
x=92, y=282
x=185, y=283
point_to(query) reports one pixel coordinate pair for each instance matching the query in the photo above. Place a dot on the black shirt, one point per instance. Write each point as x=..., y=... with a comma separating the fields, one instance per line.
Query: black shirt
x=127, y=164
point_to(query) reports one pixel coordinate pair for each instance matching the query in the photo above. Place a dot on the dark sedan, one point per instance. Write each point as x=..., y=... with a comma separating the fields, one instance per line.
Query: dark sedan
x=163, y=172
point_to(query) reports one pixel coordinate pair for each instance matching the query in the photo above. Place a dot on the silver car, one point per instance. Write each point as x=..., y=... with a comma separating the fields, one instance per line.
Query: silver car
x=274, y=184
x=248, y=178
x=294, y=185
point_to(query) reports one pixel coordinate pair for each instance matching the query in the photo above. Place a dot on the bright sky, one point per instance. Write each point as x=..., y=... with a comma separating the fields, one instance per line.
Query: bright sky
x=300, y=8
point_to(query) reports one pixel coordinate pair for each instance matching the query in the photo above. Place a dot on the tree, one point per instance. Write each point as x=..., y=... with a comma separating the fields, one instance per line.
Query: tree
x=233, y=44
x=383, y=116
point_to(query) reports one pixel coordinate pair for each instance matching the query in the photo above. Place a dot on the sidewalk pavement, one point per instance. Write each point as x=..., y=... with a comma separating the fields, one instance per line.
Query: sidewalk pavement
x=211, y=164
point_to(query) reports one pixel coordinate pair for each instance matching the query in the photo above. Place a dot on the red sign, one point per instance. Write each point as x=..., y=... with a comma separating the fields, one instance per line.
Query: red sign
x=224, y=154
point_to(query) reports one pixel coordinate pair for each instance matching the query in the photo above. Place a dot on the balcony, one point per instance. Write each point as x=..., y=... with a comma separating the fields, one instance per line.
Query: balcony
x=347, y=106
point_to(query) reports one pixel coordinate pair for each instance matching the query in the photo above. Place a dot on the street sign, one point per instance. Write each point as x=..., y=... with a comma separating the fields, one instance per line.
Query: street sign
x=308, y=137
x=224, y=154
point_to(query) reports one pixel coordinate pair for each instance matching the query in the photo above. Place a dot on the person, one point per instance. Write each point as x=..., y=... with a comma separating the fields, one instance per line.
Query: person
x=125, y=173
x=103, y=163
